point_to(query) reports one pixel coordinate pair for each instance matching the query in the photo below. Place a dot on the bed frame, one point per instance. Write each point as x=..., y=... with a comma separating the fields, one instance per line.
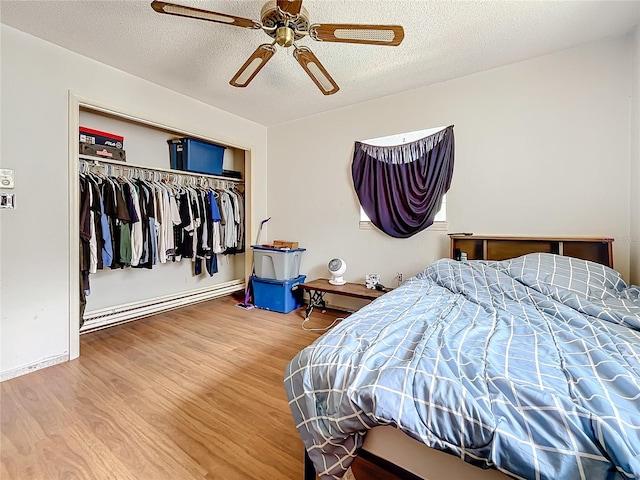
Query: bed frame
x=399, y=448
x=389, y=454
x=367, y=466
x=502, y=247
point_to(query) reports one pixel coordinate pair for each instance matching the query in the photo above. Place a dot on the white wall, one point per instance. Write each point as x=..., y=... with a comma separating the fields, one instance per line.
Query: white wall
x=635, y=161
x=542, y=148
x=36, y=78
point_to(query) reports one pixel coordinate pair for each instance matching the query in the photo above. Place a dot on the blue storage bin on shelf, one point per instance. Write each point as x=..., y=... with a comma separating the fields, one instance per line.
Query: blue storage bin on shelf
x=176, y=152
x=276, y=295
x=193, y=155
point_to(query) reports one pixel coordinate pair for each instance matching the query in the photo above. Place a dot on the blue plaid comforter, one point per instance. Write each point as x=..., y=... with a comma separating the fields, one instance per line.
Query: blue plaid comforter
x=530, y=366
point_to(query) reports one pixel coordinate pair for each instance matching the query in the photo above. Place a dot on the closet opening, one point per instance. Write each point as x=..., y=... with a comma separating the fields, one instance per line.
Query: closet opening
x=122, y=292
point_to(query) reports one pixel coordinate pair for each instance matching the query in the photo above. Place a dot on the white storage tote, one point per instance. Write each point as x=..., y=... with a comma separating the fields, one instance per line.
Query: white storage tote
x=277, y=263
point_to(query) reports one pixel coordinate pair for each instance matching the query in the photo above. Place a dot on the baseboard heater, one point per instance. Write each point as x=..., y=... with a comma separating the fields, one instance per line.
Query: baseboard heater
x=110, y=316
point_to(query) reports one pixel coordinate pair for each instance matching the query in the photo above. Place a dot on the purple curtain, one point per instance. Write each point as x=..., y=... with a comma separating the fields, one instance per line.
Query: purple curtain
x=401, y=187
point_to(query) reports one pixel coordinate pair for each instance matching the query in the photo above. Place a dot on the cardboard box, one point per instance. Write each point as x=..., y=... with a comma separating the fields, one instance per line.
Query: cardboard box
x=285, y=244
x=103, y=152
x=96, y=137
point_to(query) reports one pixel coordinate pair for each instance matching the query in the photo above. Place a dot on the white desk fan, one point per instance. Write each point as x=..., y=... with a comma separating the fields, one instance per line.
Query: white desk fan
x=337, y=267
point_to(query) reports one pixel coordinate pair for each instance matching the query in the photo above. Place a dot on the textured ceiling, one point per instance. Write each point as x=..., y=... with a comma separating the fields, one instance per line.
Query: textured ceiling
x=443, y=40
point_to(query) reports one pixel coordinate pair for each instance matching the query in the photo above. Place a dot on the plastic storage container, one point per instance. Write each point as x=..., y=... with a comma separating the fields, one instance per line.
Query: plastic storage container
x=175, y=154
x=194, y=155
x=277, y=296
x=277, y=264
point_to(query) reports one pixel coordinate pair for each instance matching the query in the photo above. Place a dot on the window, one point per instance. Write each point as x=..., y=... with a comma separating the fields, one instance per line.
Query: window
x=439, y=222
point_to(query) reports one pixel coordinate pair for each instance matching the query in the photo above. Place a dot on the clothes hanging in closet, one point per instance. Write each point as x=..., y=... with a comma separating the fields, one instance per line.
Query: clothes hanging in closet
x=139, y=223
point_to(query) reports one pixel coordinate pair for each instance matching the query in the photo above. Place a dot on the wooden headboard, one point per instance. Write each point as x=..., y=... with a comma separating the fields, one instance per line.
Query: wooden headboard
x=485, y=247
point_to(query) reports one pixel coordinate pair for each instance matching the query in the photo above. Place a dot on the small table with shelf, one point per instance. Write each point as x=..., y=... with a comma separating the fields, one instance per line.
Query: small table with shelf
x=319, y=287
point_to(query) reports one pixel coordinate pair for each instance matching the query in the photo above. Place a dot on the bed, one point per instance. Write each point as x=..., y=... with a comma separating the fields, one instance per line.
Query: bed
x=529, y=367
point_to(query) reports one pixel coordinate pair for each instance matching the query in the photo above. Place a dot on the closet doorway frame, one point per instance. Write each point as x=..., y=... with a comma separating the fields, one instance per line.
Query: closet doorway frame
x=77, y=103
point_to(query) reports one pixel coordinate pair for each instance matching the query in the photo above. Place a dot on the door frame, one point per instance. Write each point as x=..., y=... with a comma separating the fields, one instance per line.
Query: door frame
x=75, y=104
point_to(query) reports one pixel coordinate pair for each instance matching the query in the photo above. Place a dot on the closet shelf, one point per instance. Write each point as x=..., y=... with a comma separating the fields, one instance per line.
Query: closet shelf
x=120, y=164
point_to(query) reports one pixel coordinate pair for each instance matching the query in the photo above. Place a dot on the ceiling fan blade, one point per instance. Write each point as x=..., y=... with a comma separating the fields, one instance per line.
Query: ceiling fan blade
x=390, y=35
x=253, y=65
x=315, y=70
x=290, y=6
x=190, y=12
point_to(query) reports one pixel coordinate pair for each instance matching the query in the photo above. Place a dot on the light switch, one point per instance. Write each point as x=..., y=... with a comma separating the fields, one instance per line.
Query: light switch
x=7, y=200
x=6, y=178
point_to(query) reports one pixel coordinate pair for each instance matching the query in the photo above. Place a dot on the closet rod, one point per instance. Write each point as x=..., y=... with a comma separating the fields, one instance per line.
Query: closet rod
x=118, y=163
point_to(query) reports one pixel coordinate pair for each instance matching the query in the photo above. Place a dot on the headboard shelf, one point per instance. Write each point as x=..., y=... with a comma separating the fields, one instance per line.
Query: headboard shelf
x=502, y=247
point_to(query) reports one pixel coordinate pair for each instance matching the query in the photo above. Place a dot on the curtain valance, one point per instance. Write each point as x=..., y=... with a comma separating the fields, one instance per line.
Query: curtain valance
x=401, y=187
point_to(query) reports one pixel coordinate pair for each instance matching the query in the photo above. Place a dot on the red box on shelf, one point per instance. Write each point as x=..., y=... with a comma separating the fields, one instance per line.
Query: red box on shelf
x=96, y=137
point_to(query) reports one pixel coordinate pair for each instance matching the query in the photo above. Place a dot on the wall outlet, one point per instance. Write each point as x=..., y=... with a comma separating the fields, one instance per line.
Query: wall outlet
x=399, y=278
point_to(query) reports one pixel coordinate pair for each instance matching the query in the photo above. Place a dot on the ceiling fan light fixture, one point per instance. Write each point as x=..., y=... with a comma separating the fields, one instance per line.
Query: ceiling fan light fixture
x=284, y=36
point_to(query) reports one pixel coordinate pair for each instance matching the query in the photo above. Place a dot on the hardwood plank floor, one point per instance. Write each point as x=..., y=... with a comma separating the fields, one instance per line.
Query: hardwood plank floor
x=194, y=393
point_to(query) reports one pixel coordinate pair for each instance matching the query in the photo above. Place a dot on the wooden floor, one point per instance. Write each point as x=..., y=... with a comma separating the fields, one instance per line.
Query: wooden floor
x=194, y=393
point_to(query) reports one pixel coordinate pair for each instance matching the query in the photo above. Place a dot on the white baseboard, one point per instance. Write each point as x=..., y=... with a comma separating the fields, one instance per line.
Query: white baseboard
x=118, y=314
x=32, y=367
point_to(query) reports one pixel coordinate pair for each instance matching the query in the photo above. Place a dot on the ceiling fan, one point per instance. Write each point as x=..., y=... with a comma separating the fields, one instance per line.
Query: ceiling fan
x=287, y=21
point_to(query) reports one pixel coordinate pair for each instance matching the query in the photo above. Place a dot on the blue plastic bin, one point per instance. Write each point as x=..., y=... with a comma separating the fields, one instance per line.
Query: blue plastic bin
x=175, y=154
x=276, y=295
x=193, y=155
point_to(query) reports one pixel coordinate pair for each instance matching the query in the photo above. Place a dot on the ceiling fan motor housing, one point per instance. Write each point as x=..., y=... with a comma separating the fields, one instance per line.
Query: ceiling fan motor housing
x=271, y=17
